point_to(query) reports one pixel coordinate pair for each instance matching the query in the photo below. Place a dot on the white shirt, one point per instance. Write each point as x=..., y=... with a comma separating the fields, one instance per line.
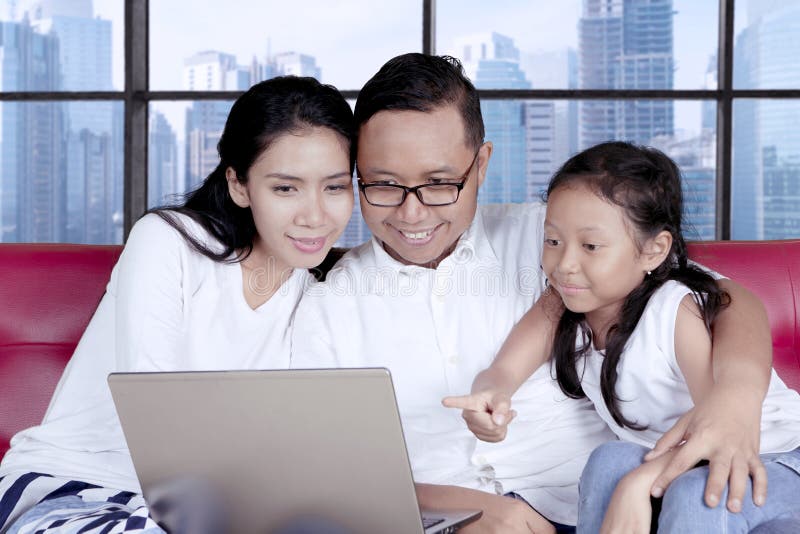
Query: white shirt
x=435, y=329
x=654, y=390
x=166, y=308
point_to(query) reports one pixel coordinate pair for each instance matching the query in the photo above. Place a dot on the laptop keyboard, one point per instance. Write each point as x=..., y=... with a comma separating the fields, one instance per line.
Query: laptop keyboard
x=428, y=522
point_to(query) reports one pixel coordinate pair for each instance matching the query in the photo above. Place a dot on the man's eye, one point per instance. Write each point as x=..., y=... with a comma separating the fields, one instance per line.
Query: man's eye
x=440, y=181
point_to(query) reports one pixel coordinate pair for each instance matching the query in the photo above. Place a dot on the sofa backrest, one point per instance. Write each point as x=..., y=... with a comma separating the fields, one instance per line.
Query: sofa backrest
x=49, y=292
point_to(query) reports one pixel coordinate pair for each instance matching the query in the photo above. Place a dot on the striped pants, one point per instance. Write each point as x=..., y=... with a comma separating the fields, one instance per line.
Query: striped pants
x=43, y=504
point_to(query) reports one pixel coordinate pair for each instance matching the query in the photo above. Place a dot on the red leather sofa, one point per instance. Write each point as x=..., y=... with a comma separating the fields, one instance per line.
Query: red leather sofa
x=49, y=292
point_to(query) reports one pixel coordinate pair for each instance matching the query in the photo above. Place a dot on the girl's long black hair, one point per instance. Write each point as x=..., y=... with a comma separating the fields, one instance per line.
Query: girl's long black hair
x=646, y=184
x=269, y=109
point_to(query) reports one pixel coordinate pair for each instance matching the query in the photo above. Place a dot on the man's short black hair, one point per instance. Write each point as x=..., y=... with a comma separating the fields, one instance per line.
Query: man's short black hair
x=422, y=82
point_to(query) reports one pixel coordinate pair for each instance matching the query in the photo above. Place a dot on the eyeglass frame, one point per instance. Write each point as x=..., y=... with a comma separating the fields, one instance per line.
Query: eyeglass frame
x=416, y=189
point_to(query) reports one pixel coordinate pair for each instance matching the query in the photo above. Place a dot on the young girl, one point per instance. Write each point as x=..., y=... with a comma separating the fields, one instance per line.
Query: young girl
x=635, y=338
x=211, y=284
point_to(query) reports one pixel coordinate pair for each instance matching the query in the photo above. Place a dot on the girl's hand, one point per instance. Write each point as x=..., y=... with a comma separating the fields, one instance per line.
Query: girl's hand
x=629, y=511
x=486, y=412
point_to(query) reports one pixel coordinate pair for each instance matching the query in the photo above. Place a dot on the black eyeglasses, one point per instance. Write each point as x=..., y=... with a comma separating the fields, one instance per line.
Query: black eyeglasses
x=393, y=195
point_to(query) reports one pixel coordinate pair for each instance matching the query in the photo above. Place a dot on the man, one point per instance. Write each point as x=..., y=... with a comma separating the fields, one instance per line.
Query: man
x=435, y=292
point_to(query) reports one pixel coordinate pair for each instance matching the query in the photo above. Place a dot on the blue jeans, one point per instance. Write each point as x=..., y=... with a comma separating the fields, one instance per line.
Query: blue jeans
x=683, y=508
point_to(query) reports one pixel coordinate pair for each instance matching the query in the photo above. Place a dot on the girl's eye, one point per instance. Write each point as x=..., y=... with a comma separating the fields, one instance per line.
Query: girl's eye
x=551, y=242
x=591, y=247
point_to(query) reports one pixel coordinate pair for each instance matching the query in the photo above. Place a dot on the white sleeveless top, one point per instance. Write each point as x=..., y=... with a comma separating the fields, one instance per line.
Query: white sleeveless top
x=654, y=391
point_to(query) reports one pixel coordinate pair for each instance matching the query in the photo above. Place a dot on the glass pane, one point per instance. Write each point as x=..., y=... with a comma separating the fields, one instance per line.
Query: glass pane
x=342, y=43
x=176, y=166
x=588, y=44
x=74, y=45
x=532, y=138
x=766, y=169
x=767, y=48
x=62, y=172
x=182, y=146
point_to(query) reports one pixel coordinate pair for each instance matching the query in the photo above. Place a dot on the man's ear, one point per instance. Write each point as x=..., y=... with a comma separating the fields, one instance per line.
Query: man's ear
x=656, y=250
x=236, y=189
x=484, y=153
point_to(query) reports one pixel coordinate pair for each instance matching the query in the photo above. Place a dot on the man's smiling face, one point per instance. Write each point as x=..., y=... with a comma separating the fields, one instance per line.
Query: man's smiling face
x=412, y=148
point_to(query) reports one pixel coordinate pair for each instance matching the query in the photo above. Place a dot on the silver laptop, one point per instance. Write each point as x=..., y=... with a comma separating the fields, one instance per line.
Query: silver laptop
x=282, y=452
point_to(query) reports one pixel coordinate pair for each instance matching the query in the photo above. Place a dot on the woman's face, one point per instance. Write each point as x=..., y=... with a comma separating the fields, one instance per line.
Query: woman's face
x=301, y=194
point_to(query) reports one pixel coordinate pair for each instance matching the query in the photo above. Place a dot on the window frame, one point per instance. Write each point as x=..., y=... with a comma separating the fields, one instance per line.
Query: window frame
x=136, y=98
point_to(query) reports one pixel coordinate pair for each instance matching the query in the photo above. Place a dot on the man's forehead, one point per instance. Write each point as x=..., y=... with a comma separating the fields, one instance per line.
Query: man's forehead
x=440, y=127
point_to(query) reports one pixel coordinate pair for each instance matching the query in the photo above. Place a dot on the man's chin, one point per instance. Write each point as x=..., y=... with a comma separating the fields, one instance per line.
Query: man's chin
x=423, y=257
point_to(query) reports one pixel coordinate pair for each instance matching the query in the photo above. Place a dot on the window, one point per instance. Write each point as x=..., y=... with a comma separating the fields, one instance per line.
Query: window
x=554, y=78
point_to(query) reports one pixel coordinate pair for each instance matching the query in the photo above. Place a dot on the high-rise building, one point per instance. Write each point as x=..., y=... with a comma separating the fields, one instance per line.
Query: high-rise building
x=85, y=137
x=626, y=44
x=492, y=61
x=32, y=152
x=162, y=161
x=765, y=202
x=551, y=126
x=296, y=64
x=207, y=71
x=695, y=156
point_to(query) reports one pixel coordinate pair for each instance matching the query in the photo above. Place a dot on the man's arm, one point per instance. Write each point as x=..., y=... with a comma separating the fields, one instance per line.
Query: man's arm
x=500, y=514
x=725, y=427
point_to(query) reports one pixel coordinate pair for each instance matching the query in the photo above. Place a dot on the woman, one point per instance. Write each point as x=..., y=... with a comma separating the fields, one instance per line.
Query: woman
x=210, y=284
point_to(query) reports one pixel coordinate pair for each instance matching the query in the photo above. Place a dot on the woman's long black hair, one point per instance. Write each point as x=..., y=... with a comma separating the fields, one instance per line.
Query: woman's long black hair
x=646, y=184
x=269, y=109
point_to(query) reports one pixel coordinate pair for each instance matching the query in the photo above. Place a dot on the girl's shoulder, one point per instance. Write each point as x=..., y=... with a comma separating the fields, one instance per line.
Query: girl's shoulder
x=666, y=298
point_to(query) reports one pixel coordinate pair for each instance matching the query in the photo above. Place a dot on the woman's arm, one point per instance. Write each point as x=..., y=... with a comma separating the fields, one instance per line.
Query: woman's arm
x=487, y=409
x=724, y=427
x=147, y=284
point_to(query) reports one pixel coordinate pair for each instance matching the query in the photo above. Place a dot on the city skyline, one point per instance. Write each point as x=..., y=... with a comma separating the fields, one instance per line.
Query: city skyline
x=78, y=180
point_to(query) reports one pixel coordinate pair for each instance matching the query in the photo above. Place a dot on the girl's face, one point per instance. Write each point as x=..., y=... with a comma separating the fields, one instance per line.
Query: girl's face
x=301, y=195
x=590, y=256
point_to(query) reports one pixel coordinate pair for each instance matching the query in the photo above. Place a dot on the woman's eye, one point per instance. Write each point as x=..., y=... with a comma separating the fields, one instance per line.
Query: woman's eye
x=283, y=188
x=591, y=247
x=336, y=188
x=551, y=242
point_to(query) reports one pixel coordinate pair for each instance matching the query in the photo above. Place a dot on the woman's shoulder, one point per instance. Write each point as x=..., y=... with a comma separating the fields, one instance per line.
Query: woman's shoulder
x=169, y=228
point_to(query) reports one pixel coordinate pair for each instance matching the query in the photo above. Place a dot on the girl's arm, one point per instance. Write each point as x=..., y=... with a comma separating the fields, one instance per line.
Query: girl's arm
x=630, y=510
x=725, y=426
x=487, y=409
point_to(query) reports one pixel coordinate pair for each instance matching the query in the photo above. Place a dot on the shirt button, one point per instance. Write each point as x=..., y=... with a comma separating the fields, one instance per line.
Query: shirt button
x=479, y=460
